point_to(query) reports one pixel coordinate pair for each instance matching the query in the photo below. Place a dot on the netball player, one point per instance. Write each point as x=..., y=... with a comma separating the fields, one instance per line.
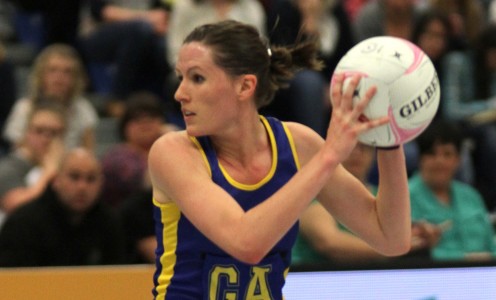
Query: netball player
x=230, y=188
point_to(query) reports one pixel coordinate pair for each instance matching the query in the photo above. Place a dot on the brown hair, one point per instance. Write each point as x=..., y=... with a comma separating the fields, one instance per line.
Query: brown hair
x=141, y=103
x=239, y=49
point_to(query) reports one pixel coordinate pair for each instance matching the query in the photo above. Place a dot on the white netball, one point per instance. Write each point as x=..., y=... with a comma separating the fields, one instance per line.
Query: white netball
x=407, y=87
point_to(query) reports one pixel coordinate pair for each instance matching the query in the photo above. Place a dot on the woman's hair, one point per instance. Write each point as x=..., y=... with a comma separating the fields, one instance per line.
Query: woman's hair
x=140, y=104
x=239, y=49
x=440, y=132
x=428, y=16
x=469, y=10
x=36, y=76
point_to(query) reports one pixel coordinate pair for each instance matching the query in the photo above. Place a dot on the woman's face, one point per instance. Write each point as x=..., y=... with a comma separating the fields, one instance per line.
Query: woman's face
x=439, y=167
x=143, y=130
x=206, y=92
x=433, y=41
x=58, y=77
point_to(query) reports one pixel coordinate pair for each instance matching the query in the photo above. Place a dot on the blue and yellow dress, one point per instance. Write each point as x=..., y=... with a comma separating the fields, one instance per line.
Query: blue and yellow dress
x=190, y=266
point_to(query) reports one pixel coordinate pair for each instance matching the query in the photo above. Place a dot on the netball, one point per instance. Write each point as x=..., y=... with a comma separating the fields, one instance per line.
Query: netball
x=407, y=87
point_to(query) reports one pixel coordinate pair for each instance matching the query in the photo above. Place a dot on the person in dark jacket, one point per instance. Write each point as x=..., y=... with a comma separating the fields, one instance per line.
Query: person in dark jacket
x=68, y=225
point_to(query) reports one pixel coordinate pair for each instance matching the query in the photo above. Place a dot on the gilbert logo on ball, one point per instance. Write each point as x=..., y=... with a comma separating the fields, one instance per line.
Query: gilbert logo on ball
x=407, y=87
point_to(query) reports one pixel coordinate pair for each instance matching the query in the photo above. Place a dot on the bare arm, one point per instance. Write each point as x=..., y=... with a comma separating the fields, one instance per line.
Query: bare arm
x=21, y=195
x=215, y=213
x=49, y=164
x=322, y=232
x=146, y=247
x=219, y=217
x=383, y=221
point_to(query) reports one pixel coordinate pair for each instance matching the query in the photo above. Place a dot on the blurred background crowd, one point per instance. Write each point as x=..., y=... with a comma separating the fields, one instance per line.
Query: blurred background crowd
x=87, y=86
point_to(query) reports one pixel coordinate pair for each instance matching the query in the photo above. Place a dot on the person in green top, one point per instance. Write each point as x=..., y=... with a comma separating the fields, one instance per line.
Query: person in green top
x=455, y=209
x=321, y=237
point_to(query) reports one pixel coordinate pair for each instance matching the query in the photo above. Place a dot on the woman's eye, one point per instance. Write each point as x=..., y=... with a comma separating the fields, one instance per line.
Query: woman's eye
x=198, y=78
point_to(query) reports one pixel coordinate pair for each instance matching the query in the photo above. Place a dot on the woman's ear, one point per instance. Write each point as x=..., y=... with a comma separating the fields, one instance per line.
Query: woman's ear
x=247, y=86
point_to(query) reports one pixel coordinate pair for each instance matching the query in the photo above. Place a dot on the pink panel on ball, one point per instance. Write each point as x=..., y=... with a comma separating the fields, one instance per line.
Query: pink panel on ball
x=418, y=56
x=402, y=135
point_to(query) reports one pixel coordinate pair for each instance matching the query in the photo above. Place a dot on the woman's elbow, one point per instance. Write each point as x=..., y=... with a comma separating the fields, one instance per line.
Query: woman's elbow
x=251, y=257
x=397, y=248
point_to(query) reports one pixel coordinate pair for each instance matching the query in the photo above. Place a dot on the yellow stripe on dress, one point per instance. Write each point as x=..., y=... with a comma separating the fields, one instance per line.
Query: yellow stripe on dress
x=170, y=215
x=204, y=155
x=292, y=144
x=252, y=187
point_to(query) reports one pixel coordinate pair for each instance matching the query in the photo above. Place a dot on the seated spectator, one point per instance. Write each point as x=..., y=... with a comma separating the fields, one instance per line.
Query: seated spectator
x=323, y=239
x=125, y=164
x=306, y=100
x=68, y=225
x=188, y=14
x=455, y=209
x=469, y=97
x=386, y=17
x=57, y=21
x=467, y=18
x=57, y=76
x=129, y=35
x=29, y=168
x=137, y=218
x=433, y=34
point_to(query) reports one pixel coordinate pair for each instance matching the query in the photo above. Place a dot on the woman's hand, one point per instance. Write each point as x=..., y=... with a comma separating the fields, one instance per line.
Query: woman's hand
x=347, y=120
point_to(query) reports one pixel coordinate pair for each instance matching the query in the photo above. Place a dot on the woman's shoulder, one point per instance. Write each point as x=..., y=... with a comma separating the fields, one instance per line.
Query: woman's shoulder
x=173, y=141
x=306, y=140
x=302, y=132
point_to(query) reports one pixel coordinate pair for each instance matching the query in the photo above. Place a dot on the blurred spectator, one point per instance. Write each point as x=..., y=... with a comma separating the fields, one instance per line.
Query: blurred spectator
x=59, y=20
x=137, y=217
x=8, y=93
x=125, y=164
x=129, y=35
x=491, y=11
x=466, y=17
x=307, y=98
x=67, y=225
x=386, y=17
x=29, y=168
x=323, y=239
x=455, y=209
x=188, y=14
x=469, y=96
x=352, y=7
x=433, y=34
x=57, y=76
